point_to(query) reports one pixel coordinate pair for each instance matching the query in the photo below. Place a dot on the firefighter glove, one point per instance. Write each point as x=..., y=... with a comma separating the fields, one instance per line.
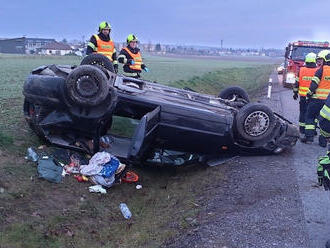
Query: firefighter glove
x=115, y=67
x=295, y=95
x=131, y=62
x=146, y=69
x=309, y=96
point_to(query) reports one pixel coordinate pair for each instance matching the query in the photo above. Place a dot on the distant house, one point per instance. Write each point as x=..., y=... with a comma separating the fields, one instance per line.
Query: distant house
x=33, y=44
x=23, y=45
x=55, y=48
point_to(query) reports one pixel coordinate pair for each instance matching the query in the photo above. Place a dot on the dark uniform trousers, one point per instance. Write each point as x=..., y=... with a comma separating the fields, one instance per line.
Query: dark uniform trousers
x=302, y=113
x=312, y=113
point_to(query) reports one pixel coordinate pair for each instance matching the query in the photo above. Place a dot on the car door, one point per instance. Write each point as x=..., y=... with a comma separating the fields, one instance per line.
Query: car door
x=144, y=135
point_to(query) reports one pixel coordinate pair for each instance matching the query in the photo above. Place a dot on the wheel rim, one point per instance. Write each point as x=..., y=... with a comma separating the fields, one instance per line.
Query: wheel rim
x=256, y=123
x=87, y=86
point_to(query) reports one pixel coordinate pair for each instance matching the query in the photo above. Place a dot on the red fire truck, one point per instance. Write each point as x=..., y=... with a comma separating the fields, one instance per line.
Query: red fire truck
x=294, y=58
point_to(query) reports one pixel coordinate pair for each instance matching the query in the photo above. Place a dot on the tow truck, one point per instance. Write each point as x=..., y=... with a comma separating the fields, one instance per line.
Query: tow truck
x=294, y=58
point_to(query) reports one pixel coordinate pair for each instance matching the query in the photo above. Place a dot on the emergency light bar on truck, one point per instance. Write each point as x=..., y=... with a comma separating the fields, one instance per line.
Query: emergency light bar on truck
x=311, y=43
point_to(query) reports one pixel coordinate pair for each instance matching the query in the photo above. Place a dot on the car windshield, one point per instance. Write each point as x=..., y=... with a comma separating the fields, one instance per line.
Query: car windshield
x=299, y=53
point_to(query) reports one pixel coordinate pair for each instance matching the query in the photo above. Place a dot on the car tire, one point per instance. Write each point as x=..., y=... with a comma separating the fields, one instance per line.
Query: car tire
x=255, y=122
x=87, y=85
x=230, y=92
x=98, y=59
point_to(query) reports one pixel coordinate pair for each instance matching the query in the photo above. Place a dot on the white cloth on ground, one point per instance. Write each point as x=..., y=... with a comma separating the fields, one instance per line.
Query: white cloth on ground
x=95, y=164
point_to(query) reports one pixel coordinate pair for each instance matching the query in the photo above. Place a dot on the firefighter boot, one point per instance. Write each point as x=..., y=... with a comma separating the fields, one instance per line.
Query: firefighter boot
x=322, y=141
x=307, y=139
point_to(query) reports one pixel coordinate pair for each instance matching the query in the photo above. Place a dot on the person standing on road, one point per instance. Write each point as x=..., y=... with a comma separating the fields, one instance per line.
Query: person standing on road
x=131, y=57
x=301, y=87
x=317, y=94
x=103, y=44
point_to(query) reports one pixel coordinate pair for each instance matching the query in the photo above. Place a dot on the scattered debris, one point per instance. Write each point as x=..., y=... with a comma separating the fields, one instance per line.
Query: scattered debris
x=102, y=169
x=81, y=178
x=106, y=141
x=32, y=155
x=130, y=177
x=97, y=189
x=49, y=170
x=104, y=181
x=125, y=211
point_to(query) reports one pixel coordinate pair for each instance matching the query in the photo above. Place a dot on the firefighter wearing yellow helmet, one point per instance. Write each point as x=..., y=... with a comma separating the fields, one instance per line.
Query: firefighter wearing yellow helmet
x=301, y=87
x=316, y=96
x=320, y=57
x=103, y=44
x=131, y=57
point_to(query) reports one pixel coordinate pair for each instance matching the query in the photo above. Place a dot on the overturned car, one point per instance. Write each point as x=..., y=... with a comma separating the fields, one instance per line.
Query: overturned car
x=70, y=106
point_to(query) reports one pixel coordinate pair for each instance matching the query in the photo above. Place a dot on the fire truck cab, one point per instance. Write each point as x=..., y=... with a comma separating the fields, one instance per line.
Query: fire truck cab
x=294, y=58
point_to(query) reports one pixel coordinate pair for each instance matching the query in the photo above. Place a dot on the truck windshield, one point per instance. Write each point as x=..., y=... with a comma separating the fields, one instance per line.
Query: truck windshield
x=299, y=53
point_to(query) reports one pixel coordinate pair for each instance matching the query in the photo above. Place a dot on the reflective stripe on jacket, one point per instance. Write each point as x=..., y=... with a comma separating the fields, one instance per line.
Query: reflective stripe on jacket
x=323, y=88
x=324, y=121
x=137, y=59
x=107, y=48
x=305, y=77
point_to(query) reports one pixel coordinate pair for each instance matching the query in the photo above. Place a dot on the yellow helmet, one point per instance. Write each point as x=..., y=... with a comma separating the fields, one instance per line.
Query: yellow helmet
x=131, y=38
x=310, y=58
x=104, y=25
x=322, y=54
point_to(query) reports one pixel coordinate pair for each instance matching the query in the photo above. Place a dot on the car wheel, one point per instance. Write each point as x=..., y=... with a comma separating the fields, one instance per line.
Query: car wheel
x=98, y=59
x=255, y=122
x=232, y=93
x=87, y=85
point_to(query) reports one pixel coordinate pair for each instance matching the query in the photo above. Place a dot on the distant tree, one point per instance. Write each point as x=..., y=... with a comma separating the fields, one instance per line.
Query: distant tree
x=158, y=48
x=64, y=41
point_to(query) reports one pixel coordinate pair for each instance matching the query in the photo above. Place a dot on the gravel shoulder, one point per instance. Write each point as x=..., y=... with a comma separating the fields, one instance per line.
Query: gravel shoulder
x=264, y=201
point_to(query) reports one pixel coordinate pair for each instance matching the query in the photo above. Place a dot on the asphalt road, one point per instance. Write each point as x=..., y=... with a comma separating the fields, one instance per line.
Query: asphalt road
x=265, y=201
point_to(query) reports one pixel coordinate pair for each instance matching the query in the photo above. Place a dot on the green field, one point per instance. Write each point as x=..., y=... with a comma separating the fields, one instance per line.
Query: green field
x=36, y=213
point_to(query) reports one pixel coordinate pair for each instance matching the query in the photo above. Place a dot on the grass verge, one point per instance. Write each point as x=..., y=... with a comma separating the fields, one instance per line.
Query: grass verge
x=36, y=213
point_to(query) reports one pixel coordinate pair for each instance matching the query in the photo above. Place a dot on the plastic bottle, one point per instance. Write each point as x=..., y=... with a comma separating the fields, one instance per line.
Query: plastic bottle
x=125, y=211
x=32, y=155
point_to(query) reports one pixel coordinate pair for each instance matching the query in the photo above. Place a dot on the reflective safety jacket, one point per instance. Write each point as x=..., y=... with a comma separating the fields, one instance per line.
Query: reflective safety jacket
x=107, y=48
x=137, y=59
x=324, y=119
x=321, y=80
x=305, y=77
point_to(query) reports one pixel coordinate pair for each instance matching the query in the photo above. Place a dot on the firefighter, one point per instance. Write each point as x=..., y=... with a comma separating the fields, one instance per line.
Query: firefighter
x=324, y=119
x=301, y=87
x=323, y=168
x=319, y=58
x=316, y=96
x=103, y=44
x=130, y=56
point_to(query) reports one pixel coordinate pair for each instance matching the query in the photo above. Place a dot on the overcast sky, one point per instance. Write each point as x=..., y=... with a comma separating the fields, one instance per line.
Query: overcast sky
x=239, y=23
